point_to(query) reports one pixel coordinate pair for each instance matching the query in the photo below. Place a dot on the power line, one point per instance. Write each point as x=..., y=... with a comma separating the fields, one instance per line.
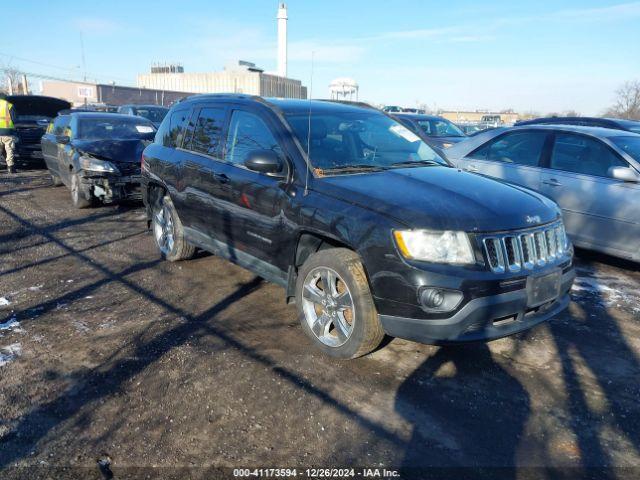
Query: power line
x=75, y=69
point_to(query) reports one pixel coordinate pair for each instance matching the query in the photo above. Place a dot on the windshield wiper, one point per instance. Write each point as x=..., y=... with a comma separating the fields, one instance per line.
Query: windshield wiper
x=416, y=163
x=352, y=168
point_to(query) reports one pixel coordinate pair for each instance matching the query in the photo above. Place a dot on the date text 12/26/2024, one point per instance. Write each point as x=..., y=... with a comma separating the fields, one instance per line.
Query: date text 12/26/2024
x=315, y=473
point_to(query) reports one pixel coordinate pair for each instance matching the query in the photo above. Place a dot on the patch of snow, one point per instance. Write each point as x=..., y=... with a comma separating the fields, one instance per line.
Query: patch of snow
x=607, y=291
x=81, y=327
x=4, y=302
x=10, y=324
x=9, y=353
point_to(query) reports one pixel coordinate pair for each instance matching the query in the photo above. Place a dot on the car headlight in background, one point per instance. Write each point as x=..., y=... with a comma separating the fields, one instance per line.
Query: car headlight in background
x=437, y=247
x=95, y=165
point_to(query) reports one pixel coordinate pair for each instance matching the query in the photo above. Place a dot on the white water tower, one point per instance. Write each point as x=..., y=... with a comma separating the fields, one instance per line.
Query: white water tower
x=344, y=89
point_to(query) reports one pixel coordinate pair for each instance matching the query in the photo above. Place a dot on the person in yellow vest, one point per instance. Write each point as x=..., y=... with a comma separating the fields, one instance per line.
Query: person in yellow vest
x=7, y=131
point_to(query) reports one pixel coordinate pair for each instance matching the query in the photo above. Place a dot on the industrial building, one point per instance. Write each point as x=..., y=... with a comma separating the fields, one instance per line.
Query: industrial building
x=239, y=77
x=83, y=93
x=242, y=77
x=459, y=116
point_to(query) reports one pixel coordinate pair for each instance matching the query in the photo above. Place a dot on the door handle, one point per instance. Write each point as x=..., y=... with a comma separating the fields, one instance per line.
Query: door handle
x=553, y=182
x=221, y=177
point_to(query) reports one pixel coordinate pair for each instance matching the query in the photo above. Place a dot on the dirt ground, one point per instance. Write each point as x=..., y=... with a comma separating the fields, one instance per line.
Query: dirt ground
x=108, y=354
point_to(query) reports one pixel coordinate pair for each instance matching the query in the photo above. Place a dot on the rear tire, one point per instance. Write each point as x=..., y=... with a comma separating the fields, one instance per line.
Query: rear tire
x=336, y=306
x=168, y=232
x=78, y=197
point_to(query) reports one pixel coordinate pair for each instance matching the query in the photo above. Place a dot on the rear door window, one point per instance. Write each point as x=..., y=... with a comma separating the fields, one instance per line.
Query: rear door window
x=584, y=155
x=207, y=131
x=519, y=148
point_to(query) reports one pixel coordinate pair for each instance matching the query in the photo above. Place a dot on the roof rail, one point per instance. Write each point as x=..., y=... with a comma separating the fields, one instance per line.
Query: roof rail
x=348, y=102
x=238, y=96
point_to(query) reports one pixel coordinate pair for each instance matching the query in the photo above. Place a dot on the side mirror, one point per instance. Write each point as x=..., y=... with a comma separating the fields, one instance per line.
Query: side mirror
x=625, y=174
x=63, y=139
x=265, y=161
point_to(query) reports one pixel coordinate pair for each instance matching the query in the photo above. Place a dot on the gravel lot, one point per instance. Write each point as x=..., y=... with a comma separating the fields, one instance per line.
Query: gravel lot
x=109, y=354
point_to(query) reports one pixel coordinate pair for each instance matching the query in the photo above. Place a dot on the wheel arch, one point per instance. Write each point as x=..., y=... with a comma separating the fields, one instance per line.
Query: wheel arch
x=153, y=192
x=308, y=243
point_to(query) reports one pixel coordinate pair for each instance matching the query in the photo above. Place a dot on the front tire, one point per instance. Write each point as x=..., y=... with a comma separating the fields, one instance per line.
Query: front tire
x=77, y=194
x=55, y=180
x=168, y=232
x=336, y=306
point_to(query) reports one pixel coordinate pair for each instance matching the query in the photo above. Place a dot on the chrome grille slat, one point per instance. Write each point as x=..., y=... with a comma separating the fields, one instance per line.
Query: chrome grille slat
x=525, y=250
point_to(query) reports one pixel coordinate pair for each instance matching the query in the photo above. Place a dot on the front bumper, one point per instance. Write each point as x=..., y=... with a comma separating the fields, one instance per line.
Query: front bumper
x=110, y=188
x=481, y=319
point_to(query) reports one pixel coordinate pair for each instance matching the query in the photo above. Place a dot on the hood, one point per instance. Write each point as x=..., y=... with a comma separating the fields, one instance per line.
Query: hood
x=35, y=105
x=117, y=151
x=442, y=198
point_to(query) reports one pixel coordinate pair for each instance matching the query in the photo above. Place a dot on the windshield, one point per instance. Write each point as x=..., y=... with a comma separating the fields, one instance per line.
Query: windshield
x=360, y=139
x=440, y=128
x=630, y=145
x=113, y=128
x=155, y=114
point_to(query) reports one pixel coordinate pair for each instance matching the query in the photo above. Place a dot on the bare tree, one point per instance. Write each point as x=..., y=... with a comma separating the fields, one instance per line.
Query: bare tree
x=627, y=103
x=11, y=79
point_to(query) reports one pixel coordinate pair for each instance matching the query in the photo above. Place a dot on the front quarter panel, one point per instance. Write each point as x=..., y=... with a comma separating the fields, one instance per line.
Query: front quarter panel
x=363, y=230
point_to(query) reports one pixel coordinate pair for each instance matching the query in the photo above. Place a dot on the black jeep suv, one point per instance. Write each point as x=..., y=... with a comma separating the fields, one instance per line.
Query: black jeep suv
x=367, y=229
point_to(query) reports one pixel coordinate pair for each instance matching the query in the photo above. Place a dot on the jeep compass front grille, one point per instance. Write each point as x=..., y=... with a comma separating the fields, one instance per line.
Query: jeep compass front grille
x=525, y=250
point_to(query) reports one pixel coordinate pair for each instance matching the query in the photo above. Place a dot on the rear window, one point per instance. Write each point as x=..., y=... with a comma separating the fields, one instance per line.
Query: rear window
x=113, y=128
x=154, y=114
x=439, y=128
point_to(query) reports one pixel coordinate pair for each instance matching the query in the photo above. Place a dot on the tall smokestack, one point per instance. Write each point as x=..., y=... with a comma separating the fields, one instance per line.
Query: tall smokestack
x=282, y=40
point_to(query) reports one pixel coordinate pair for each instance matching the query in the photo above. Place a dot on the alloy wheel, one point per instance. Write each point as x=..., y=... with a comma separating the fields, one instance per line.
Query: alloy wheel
x=163, y=230
x=328, y=306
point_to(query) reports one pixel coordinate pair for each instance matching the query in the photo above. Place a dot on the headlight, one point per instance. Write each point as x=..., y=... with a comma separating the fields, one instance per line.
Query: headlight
x=436, y=247
x=95, y=165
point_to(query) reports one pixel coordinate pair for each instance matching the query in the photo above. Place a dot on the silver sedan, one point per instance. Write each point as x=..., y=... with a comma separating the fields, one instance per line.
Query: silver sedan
x=592, y=173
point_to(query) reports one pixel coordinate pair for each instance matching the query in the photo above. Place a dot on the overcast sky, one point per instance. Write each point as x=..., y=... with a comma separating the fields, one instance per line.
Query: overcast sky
x=538, y=55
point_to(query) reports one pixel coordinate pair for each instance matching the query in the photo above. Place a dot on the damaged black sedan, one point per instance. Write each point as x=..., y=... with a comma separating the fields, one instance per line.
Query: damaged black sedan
x=97, y=155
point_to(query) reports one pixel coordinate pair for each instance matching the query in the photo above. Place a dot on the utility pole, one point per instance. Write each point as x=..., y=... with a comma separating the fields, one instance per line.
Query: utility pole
x=10, y=84
x=25, y=85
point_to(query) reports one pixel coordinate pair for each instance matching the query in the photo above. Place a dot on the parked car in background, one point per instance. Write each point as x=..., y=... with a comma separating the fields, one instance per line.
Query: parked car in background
x=615, y=123
x=469, y=128
x=392, y=109
x=592, y=173
x=97, y=155
x=154, y=113
x=99, y=107
x=366, y=228
x=32, y=115
x=413, y=110
x=490, y=121
x=439, y=131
